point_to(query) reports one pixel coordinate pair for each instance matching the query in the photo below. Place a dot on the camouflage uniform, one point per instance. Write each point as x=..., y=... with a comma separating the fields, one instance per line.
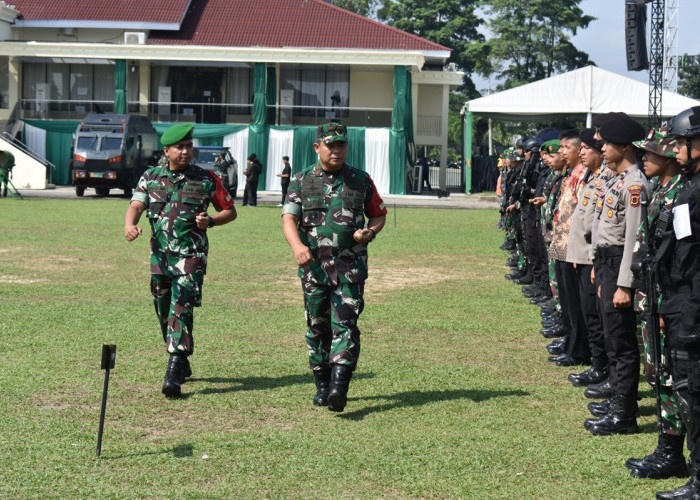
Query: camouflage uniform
x=330, y=207
x=662, y=199
x=178, y=247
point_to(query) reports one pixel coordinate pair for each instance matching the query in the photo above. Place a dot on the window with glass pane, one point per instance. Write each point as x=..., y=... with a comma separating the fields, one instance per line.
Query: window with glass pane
x=58, y=76
x=80, y=82
x=319, y=91
x=239, y=92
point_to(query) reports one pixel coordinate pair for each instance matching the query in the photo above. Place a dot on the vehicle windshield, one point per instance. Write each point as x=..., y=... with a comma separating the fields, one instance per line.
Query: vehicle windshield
x=111, y=143
x=207, y=156
x=88, y=142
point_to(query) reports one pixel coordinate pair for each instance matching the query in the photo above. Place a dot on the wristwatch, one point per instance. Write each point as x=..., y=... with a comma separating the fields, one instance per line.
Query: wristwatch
x=374, y=234
x=212, y=222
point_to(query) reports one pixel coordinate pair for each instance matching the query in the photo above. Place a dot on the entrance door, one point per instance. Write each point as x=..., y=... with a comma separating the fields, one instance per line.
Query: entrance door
x=200, y=86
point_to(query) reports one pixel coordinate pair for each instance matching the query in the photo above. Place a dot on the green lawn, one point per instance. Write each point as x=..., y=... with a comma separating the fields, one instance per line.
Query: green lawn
x=453, y=396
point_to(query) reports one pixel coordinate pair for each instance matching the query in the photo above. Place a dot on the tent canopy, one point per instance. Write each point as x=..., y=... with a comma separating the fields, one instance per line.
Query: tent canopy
x=583, y=92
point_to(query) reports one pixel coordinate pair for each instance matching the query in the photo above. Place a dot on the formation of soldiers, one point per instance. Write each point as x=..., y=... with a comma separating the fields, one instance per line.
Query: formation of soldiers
x=603, y=227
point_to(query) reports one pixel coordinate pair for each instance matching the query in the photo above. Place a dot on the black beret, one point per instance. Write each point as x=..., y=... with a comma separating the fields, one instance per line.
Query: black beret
x=621, y=129
x=252, y=157
x=588, y=137
x=598, y=120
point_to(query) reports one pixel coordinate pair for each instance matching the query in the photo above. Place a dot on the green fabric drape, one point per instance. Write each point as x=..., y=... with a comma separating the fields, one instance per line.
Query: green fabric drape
x=356, y=148
x=257, y=135
x=304, y=155
x=59, y=143
x=397, y=137
x=120, y=87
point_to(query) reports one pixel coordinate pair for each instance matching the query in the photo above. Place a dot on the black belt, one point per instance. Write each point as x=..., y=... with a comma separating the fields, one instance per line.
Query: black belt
x=615, y=251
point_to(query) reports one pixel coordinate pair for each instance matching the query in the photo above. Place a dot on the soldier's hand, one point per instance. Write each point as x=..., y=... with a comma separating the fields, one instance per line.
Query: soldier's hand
x=622, y=298
x=362, y=235
x=538, y=200
x=132, y=232
x=202, y=220
x=302, y=255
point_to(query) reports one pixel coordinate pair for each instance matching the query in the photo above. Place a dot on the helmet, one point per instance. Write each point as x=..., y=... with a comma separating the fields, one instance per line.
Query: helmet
x=533, y=144
x=657, y=141
x=685, y=124
x=518, y=142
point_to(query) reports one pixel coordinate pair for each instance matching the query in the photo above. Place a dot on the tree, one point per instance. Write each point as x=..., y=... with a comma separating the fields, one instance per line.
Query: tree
x=689, y=76
x=530, y=40
x=452, y=23
x=365, y=8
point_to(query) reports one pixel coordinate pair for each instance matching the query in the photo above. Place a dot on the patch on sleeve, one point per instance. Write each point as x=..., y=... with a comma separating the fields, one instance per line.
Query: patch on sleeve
x=635, y=195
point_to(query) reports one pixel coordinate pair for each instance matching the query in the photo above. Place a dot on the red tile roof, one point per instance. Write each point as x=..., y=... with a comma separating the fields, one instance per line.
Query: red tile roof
x=237, y=23
x=101, y=10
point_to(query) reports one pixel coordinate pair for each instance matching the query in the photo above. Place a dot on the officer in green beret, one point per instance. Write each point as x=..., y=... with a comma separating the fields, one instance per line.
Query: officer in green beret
x=175, y=195
x=323, y=220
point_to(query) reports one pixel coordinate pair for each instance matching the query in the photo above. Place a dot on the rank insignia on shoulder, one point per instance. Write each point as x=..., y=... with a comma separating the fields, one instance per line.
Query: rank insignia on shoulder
x=635, y=195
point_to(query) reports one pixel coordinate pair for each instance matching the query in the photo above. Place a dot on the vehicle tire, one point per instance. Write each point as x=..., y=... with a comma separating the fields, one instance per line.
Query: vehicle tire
x=102, y=191
x=79, y=190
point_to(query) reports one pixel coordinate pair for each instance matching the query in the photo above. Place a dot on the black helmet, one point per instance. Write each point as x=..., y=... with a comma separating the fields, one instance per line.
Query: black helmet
x=533, y=144
x=685, y=124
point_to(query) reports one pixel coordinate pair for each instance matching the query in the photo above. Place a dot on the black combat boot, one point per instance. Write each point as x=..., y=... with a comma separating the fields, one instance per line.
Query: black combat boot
x=186, y=370
x=690, y=490
x=664, y=462
x=557, y=346
x=527, y=279
x=323, y=382
x=593, y=375
x=553, y=331
x=600, y=390
x=599, y=409
x=340, y=382
x=174, y=375
x=620, y=420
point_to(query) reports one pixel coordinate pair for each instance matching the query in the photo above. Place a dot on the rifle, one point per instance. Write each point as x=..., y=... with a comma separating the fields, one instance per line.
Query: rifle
x=647, y=269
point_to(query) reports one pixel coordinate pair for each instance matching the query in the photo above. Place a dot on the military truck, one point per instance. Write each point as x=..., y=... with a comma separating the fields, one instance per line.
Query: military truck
x=111, y=152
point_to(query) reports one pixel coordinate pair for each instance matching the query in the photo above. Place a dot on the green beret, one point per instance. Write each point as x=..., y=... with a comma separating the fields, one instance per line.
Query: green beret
x=551, y=146
x=176, y=133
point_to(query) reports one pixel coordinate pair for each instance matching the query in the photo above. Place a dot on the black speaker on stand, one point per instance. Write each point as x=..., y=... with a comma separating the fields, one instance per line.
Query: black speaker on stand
x=635, y=35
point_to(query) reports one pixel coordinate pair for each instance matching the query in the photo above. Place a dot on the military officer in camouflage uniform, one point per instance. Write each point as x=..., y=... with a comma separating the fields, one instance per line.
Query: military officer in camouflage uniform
x=323, y=220
x=661, y=167
x=175, y=196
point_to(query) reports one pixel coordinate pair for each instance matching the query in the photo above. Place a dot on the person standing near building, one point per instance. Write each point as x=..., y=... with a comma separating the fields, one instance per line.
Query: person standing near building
x=252, y=173
x=175, y=196
x=284, y=177
x=323, y=220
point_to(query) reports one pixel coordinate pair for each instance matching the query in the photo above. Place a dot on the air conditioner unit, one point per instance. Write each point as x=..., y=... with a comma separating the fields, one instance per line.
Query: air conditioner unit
x=134, y=38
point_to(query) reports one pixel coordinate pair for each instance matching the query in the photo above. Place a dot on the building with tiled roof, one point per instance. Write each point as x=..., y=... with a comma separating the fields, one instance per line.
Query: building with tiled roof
x=196, y=60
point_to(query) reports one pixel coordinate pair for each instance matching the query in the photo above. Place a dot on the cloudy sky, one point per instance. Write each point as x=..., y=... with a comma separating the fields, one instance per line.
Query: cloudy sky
x=604, y=39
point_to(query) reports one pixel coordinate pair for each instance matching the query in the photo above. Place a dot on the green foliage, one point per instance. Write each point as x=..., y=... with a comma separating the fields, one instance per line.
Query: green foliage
x=689, y=76
x=530, y=40
x=452, y=23
x=364, y=8
x=453, y=397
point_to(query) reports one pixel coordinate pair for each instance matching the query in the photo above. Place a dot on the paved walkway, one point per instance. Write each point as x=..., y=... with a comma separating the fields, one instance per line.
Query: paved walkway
x=452, y=201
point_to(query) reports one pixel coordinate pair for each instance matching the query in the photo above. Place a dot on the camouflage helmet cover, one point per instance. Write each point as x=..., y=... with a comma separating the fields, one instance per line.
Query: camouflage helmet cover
x=658, y=142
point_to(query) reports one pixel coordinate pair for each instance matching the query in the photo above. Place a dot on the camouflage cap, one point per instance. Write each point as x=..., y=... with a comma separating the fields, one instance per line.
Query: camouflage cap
x=657, y=142
x=332, y=132
x=551, y=146
x=515, y=155
x=176, y=133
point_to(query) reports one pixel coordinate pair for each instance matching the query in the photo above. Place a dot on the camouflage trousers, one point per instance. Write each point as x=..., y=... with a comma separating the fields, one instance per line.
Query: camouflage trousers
x=553, y=283
x=331, y=315
x=175, y=298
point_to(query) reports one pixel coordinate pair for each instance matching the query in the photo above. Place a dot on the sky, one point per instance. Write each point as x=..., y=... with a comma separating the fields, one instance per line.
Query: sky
x=604, y=39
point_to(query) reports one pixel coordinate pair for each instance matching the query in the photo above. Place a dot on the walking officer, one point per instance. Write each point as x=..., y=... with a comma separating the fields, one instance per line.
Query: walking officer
x=323, y=220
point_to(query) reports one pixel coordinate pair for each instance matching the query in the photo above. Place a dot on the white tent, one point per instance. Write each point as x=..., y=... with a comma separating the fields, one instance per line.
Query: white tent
x=580, y=93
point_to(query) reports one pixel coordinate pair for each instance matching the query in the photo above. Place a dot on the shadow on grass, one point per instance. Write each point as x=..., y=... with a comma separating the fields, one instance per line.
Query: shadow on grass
x=179, y=451
x=255, y=383
x=419, y=398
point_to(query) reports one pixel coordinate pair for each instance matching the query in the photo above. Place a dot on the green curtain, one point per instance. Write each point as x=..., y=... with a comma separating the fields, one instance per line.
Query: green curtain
x=397, y=135
x=59, y=145
x=356, y=148
x=257, y=134
x=304, y=155
x=120, y=87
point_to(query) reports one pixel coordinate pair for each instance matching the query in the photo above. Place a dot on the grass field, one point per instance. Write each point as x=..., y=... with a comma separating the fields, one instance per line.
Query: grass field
x=453, y=396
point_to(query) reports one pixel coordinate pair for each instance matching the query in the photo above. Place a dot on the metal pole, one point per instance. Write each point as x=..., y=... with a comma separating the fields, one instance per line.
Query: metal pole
x=102, y=414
